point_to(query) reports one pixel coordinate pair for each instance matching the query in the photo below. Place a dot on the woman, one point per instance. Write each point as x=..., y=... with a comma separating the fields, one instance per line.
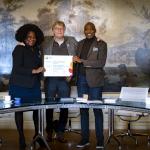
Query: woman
x=26, y=72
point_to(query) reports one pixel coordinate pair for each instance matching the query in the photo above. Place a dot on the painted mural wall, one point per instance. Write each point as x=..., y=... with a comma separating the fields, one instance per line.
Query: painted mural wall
x=123, y=24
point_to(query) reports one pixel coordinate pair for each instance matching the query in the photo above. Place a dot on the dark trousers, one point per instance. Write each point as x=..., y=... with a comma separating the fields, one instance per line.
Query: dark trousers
x=26, y=95
x=19, y=124
x=94, y=93
x=56, y=87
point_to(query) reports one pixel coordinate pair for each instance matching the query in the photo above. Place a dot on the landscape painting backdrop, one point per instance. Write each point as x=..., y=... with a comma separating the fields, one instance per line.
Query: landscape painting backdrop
x=123, y=24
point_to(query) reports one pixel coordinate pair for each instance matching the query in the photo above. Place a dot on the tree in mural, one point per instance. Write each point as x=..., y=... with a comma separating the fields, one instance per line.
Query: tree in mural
x=143, y=12
x=7, y=41
x=50, y=12
x=7, y=22
x=12, y=5
x=142, y=54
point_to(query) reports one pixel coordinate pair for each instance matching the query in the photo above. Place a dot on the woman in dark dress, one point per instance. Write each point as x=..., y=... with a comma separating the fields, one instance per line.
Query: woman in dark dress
x=26, y=73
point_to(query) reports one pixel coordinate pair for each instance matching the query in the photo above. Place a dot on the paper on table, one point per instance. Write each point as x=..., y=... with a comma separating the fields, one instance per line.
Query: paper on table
x=110, y=100
x=94, y=102
x=82, y=100
x=70, y=99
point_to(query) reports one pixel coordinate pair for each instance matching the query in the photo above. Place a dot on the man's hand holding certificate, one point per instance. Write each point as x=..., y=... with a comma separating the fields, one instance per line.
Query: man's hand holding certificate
x=58, y=66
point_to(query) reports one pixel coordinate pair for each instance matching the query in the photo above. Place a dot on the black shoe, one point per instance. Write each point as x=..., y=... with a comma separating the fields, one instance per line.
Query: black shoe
x=22, y=144
x=49, y=137
x=100, y=146
x=41, y=143
x=83, y=143
x=60, y=137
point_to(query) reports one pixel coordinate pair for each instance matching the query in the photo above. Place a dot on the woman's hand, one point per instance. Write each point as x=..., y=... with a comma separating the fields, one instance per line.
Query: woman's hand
x=38, y=70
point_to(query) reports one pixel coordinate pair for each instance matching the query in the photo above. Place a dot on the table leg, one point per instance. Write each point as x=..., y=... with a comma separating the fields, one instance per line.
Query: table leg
x=40, y=131
x=111, y=128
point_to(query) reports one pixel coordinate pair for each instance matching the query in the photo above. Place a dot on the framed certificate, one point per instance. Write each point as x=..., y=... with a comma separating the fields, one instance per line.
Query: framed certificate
x=58, y=66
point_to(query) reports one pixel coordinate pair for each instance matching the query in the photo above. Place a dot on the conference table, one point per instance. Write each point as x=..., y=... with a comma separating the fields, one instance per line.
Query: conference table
x=42, y=105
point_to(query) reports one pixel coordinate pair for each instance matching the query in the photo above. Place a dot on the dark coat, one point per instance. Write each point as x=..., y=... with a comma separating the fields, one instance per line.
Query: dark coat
x=24, y=61
x=95, y=62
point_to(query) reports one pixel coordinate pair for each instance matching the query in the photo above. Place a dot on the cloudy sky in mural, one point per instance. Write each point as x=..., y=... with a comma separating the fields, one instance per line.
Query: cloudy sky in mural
x=113, y=18
x=30, y=9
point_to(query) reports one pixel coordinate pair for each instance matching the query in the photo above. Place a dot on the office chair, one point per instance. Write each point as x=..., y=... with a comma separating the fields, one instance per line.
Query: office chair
x=73, y=112
x=130, y=117
x=128, y=94
x=71, y=115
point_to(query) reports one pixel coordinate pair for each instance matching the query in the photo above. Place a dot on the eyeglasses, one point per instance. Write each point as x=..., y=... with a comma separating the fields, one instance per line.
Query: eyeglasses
x=56, y=28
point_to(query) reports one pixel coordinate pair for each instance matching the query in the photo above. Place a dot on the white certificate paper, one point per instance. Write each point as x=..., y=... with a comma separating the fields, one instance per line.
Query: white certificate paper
x=58, y=66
